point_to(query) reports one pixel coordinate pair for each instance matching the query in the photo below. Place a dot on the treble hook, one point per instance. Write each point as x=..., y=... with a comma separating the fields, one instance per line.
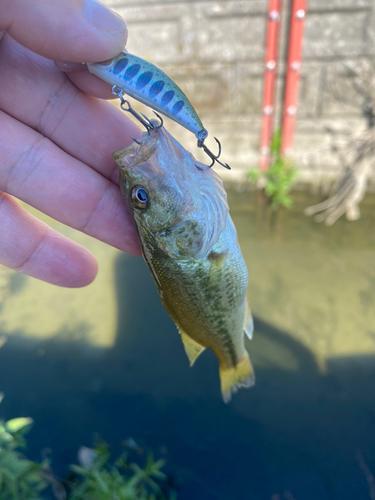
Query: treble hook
x=143, y=119
x=201, y=136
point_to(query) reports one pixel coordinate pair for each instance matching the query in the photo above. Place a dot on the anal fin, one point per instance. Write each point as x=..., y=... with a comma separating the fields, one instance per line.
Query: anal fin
x=192, y=348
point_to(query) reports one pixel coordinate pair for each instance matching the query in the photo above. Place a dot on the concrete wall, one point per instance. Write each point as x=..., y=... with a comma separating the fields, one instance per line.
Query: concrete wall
x=215, y=50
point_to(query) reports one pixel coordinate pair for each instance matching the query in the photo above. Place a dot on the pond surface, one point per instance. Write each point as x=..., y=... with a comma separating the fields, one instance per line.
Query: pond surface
x=107, y=359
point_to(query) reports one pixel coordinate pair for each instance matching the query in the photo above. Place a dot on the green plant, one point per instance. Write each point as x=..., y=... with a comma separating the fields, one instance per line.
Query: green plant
x=280, y=177
x=124, y=480
x=20, y=478
x=96, y=478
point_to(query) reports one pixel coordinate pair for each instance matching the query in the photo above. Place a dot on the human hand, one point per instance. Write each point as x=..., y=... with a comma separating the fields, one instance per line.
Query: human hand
x=56, y=142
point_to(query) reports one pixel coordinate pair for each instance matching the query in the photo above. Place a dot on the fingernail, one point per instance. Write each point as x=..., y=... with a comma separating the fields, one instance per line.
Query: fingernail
x=103, y=18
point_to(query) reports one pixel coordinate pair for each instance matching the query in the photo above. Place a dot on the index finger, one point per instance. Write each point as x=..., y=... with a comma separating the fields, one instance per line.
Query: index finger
x=88, y=129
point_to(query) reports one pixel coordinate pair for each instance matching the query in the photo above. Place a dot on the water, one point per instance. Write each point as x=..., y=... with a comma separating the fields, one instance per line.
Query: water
x=108, y=359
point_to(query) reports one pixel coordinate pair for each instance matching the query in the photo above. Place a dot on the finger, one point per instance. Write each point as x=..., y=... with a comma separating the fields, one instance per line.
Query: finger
x=31, y=247
x=80, y=76
x=90, y=84
x=88, y=129
x=36, y=171
x=65, y=30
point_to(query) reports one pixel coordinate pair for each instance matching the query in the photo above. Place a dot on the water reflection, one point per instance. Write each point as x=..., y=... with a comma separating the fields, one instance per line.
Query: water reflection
x=298, y=430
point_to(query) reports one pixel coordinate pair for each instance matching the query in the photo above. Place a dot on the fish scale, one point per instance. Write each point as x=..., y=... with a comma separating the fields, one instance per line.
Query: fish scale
x=148, y=84
x=211, y=325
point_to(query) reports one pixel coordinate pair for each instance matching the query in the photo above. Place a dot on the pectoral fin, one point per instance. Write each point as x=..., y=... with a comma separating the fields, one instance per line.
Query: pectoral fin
x=248, y=325
x=192, y=348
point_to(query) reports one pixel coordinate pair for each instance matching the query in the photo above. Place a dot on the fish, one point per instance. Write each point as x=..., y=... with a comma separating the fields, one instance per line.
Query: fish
x=190, y=245
x=149, y=85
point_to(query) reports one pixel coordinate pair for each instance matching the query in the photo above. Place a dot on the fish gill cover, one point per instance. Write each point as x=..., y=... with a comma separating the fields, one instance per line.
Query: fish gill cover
x=160, y=158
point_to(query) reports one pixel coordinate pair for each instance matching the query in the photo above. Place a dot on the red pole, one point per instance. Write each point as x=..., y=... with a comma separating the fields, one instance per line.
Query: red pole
x=297, y=23
x=273, y=18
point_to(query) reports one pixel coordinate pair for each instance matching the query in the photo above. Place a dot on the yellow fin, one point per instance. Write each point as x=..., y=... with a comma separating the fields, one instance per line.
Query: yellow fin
x=192, y=348
x=242, y=375
x=248, y=325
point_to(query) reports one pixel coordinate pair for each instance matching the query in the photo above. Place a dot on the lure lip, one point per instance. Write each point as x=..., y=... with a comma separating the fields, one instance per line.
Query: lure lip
x=107, y=62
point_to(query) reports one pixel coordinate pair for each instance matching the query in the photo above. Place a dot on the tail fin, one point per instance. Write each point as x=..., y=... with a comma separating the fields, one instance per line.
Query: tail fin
x=242, y=375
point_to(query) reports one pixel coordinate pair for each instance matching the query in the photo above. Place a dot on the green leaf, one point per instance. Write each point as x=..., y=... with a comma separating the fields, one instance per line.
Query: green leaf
x=101, y=482
x=16, y=424
x=82, y=471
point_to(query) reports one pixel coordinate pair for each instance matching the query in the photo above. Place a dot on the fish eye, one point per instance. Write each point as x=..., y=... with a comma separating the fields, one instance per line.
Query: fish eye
x=139, y=197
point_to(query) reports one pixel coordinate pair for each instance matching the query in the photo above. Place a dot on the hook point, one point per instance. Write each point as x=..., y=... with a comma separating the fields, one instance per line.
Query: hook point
x=160, y=118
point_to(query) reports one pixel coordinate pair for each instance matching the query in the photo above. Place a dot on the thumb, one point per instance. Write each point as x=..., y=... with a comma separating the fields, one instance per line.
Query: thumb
x=65, y=30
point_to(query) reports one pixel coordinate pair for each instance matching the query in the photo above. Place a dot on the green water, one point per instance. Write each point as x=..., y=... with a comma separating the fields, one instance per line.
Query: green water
x=108, y=359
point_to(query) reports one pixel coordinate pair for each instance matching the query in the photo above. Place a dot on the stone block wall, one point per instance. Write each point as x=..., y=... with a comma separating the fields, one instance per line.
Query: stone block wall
x=214, y=50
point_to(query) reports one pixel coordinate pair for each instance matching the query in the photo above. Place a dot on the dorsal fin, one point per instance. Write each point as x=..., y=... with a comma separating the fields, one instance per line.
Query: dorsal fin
x=192, y=348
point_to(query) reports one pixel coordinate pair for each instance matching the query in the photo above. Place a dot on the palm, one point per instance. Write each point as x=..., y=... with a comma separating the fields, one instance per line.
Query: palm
x=56, y=144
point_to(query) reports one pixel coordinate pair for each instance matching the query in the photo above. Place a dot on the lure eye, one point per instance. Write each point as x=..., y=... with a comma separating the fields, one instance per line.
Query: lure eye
x=139, y=197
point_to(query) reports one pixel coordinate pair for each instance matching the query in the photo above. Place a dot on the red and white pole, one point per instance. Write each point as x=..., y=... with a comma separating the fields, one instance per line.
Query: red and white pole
x=269, y=80
x=297, y=24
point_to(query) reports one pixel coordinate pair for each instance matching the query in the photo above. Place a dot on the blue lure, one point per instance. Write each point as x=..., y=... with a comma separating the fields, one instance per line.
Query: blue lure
x=146, y=83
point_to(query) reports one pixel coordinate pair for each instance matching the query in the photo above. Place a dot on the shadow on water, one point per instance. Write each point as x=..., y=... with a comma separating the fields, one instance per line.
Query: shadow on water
x=297, y=430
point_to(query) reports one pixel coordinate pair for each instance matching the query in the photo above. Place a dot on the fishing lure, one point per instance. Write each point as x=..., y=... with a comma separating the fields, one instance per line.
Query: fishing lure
x=149, y=85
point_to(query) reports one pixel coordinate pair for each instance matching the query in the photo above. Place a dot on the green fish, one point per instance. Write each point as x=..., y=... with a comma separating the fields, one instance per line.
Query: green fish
x=190, y=245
